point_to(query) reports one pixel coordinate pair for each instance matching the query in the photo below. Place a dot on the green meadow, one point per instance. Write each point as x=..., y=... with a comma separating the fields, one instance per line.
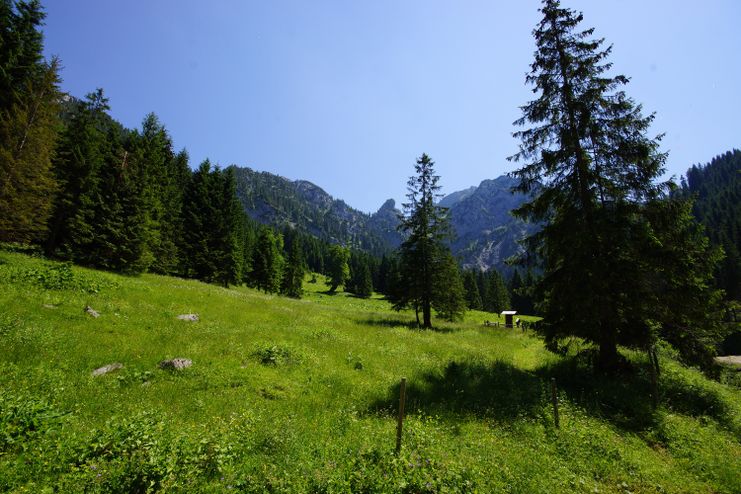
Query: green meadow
x=301, y=396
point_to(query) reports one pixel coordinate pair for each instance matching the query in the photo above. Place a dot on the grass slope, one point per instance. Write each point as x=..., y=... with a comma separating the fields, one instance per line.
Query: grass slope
x=300, y=396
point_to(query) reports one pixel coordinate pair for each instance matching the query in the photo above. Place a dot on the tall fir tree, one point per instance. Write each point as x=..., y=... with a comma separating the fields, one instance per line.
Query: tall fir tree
x=498, y=298
x=160, y=193
x=84, y=149
x=293, y=273
x=338, y=268
x=587, y=152
x=29, y=107
x=267, y=261
x=473, y=297
x=422, y=254
x=449, y=295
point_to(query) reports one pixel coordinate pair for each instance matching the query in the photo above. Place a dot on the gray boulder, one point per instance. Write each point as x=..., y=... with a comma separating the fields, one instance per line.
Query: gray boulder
x=100, y=371
x=188, y=317
x=176, y=363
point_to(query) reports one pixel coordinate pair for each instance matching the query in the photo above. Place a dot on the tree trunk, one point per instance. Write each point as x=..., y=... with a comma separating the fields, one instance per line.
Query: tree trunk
x=426, y=315
x=608, y=355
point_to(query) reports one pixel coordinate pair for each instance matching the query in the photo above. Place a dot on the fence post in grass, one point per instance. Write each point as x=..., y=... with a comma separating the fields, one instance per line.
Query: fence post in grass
x=402, y=399
x=654, y=360
x=554, y=400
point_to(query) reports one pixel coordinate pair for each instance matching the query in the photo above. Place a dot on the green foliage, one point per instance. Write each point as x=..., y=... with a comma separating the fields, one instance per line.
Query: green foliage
x=497, y=295
x=595, y=174
x=338, y=268
x=56, y=276
x=300, y=396
x=449, y=297
x=423, y=258
x=29, y=96
x=293, y=273
x=716, y=188
x=267, y=261
x=274, y=354
x=360, y=281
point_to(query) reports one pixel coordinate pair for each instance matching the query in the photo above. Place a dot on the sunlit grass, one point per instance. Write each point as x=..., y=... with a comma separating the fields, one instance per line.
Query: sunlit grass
x=299, y=396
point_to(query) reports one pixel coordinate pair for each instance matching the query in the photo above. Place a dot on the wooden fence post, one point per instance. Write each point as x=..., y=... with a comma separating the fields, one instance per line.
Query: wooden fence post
x=654, y=359
x=554, y=400
x=402, y=399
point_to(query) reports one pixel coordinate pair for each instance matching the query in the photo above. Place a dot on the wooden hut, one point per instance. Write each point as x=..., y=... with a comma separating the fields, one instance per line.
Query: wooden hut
x=508, y=318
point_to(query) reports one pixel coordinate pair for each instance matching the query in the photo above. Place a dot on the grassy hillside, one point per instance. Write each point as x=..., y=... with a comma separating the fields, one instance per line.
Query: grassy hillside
x=300, y=395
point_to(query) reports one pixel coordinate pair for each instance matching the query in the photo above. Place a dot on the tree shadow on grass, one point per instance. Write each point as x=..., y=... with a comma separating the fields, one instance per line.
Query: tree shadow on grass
x=625, y=399
x=497, y=390
x=501, y=391
x=404, y=323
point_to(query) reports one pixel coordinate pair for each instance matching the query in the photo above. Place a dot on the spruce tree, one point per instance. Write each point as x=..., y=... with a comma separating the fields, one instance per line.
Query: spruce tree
x=293, y=273
x=587, y=153
x=337, y=267
x=449, y=295
x=473, y=297
x=29, y=98
x=498, y=295
x=83, y=150
x=267, y=262
x=422, y=254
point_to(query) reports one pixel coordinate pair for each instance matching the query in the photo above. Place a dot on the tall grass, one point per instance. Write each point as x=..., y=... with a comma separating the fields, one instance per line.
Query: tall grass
x=301, y=396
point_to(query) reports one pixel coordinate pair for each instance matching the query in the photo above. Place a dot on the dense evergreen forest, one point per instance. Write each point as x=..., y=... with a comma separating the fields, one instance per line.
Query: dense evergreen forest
x=716, y=188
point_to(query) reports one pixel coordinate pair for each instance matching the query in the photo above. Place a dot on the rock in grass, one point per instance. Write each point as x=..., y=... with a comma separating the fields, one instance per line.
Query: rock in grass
x=91, y=311
x=49, y=306
x=100, y=371
x=188, y=317
x=176, y=363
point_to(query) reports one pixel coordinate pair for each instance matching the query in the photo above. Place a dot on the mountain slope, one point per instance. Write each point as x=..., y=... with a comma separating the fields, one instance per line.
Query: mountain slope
x=486, y=232
x=717, y=190
x=278, y=201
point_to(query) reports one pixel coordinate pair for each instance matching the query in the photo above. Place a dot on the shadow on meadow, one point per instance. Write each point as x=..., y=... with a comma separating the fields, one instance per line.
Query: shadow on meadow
x=404, y=323
x=499, y=390
x=505, y=392
x=625, y=399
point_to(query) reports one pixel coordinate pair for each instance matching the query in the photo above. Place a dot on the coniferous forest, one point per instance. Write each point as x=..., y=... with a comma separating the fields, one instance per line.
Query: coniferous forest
x=628, y=286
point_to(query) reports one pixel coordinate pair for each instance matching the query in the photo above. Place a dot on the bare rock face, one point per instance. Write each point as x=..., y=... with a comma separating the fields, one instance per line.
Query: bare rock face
x=176, y=363
x=100, y=371
x=188, y=317
x=92, y=312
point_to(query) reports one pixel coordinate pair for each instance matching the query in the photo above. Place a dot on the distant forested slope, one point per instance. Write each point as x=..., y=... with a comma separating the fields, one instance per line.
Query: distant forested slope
x=717, y=188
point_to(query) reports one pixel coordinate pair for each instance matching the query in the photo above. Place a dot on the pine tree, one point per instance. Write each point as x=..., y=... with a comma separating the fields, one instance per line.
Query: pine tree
x=595, y=170
x=228, y=236
x=293, y=274
x=267, y=261
x=83, y=150
x=422, y=254
x=198, y=214
x=473, y=297
x=449, y=295
x=160, y=194
x=337, y=267
x=498, y=295
x=29, y=97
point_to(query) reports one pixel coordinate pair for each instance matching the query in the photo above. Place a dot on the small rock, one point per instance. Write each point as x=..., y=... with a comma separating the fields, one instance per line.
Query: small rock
x=188, y=317
x=92, y=311
x=107, y=368
x=176, y=363
x=49, y=306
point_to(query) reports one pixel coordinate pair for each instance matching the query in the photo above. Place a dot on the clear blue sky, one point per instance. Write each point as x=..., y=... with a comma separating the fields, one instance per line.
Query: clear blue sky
x=348, y=93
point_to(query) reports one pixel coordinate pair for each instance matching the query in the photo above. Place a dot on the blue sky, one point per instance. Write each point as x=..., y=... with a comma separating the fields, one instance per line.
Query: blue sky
x=348, y=93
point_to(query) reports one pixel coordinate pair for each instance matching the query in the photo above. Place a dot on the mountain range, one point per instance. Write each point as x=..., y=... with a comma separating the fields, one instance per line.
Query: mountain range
x=486, y=234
